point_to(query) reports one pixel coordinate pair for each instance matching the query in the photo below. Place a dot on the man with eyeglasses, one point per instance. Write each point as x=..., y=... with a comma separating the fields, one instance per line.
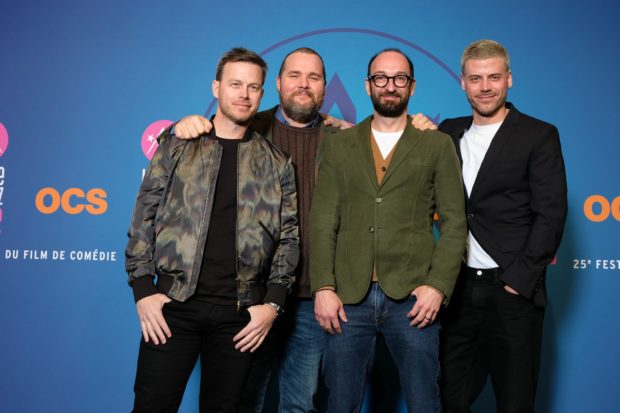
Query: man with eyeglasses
x=375, y=266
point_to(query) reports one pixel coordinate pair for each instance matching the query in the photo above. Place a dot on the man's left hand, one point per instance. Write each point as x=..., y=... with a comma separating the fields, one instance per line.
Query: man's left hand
x=421, y=122
x=510, y=289
x=255, y=332
x=426, y=307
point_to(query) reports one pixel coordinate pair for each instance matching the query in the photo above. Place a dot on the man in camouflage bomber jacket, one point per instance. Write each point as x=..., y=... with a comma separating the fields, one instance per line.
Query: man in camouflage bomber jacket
x=216, y=221
x=176, y=217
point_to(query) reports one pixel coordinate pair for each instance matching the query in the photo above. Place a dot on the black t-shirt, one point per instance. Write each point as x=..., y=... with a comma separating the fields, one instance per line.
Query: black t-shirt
x=218, y=272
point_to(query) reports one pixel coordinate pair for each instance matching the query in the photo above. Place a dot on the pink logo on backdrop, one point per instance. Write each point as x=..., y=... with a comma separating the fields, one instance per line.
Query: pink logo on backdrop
x=149, y=137
x=4, y=139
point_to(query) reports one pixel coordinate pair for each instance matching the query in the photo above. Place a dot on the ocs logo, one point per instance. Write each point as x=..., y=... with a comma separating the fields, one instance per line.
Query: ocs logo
x=72, y=201
x=597, y=208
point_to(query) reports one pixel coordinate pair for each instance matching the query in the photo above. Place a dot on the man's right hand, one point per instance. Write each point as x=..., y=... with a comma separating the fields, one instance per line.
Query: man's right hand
x=192, y=126
x=152, y=320
x=327, y=308
x=341, y=124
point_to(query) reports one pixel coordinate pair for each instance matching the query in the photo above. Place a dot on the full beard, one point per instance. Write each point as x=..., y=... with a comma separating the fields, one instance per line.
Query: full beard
x=301, y=113
x=389, y=109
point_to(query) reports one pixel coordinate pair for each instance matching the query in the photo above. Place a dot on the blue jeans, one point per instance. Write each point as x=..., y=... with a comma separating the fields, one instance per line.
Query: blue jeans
x=301, y=361
x=297, y=364
x=349, y=356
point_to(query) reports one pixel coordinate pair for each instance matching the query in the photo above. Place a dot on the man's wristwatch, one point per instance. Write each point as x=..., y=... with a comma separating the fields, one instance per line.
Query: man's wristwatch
x=278, y=308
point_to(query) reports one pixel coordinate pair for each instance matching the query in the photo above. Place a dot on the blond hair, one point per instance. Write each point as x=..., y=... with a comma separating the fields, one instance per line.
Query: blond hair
x=484, y=49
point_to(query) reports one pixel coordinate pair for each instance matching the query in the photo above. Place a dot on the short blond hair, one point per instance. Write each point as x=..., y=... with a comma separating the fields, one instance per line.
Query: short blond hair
x=484, y=49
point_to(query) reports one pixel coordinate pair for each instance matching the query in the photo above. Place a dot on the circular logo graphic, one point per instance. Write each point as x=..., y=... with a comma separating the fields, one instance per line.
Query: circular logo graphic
x=149, y=137
x=4, y=139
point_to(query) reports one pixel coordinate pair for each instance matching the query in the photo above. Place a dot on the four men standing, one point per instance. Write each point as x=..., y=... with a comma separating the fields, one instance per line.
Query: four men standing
x=375, y=265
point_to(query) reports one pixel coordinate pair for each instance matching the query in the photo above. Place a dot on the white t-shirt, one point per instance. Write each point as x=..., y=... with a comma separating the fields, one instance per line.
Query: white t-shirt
x=474, y=146
x=386, y=141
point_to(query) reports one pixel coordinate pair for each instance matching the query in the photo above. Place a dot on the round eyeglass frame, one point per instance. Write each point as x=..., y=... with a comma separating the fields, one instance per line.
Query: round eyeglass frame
x=377, y=80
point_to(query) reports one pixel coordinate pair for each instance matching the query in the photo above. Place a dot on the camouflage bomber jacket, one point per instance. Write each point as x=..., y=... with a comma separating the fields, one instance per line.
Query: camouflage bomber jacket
x=171, y=218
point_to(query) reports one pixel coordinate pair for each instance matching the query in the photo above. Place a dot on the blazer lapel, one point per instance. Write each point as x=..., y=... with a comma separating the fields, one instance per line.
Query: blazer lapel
x=457, y=142
x=365, y=152
x=494, y=156
x=410, y=138
x=456, y=139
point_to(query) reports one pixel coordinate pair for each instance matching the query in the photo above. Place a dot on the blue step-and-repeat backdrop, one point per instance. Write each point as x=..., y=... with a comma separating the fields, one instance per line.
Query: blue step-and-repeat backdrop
x=85, y=86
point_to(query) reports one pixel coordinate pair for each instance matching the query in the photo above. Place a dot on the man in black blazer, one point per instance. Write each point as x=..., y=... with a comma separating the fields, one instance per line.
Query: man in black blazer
x=515, y=191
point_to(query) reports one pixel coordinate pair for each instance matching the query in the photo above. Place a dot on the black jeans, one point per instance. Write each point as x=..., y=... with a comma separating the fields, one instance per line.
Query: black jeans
x=199, y=329
x=489, y=332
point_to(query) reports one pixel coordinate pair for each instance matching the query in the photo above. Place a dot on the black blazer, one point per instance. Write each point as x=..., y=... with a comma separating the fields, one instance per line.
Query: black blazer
x=517, y=208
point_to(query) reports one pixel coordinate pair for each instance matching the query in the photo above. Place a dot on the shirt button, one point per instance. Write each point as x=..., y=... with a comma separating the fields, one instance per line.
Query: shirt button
x=379, y=199
x=383, y=169
x=371, y=229
x=478, y=273
x=470, y=215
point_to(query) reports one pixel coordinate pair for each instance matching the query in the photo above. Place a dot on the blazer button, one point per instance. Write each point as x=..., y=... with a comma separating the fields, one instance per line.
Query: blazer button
x=470, y=215
x=378, y=199
x=371, y=229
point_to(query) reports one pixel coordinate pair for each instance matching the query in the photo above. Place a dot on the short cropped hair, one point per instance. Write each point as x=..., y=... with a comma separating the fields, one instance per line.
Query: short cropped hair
x=240, y=54
x=304, y=50
x=484, y=49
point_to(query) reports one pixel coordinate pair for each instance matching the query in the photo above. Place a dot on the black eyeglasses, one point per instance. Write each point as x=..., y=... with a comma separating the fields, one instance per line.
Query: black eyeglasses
x=383, y=80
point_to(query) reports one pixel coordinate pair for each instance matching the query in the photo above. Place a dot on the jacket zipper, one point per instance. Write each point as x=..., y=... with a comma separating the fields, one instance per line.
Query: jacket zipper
x=237, y=232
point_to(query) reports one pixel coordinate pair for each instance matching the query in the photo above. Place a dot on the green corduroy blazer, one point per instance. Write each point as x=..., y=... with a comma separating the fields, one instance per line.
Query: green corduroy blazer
x=356, y=223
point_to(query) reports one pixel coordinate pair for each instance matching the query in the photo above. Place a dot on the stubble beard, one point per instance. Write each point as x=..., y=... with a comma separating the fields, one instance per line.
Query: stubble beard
x=487, y=113
x=241, y=120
